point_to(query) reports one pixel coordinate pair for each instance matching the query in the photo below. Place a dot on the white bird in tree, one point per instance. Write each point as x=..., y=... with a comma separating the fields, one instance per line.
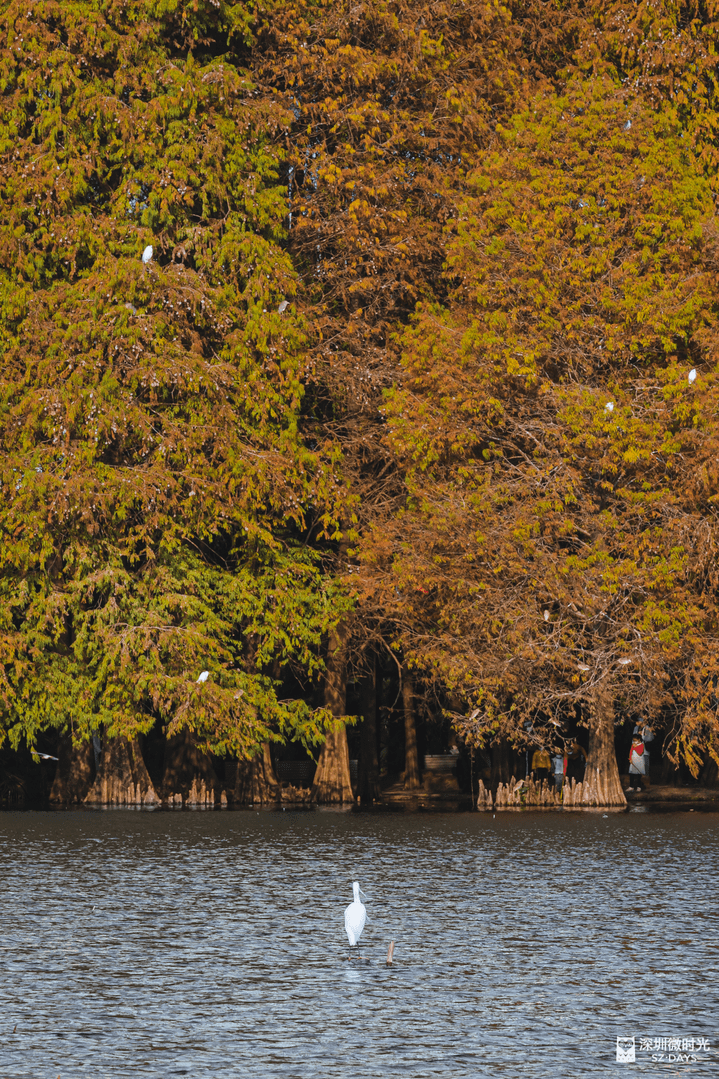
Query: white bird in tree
x=692, y=374
x=355, y=917
x=204, y=676
x=284, y=304
x=147, y=253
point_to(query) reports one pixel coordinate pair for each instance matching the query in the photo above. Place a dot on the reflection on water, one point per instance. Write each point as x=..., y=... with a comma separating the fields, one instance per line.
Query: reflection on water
x=212, y=944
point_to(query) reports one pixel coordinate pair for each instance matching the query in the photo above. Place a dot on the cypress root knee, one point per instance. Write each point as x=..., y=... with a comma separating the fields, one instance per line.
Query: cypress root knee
x=256, y=782
x=75, y=772
x=122, y=778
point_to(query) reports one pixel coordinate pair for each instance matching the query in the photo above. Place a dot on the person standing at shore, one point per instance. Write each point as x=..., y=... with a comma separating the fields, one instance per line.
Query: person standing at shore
x=560, y=767
x=576, y=761
x=643, y=731
x=637, y=763
x=541, y=764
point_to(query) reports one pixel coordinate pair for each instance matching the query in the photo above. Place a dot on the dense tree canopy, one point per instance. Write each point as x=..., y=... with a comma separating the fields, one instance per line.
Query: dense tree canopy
x=155, y=486
x=559, y=528
x=411, y=358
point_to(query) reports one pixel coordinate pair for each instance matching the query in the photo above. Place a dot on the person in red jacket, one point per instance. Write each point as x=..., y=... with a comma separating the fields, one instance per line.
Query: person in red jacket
x=637, y=763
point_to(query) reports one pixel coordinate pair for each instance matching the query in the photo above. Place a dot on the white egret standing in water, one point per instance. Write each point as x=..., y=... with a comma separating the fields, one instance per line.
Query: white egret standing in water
x=355, y=917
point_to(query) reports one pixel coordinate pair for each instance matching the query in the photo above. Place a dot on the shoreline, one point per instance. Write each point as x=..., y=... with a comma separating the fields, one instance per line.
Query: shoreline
x=660, y=798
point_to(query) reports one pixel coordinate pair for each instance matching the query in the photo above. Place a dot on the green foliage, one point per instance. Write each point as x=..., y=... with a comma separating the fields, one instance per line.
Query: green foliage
x=155, y=486
x=665, y=53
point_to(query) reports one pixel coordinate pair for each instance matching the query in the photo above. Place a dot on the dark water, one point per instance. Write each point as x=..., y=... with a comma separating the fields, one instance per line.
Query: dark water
x=164, y=944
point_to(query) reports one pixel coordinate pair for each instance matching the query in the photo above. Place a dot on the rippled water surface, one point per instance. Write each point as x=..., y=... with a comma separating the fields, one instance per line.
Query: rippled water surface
x=164, y=944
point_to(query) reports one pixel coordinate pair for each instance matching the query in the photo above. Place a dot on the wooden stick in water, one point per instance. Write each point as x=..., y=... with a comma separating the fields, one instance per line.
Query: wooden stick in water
x=390, y=953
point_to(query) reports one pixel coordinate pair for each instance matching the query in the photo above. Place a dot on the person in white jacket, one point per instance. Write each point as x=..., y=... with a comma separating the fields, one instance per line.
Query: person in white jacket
x=641, y=730
x=637, y=763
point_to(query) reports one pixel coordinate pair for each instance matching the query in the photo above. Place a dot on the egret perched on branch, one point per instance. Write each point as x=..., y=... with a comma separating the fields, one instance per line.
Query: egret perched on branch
x=204, y=676
x=147, y=253
x=355, y=917
x=692, y=374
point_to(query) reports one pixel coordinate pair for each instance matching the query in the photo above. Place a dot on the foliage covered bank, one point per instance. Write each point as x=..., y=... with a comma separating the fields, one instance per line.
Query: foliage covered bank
x=407, y=374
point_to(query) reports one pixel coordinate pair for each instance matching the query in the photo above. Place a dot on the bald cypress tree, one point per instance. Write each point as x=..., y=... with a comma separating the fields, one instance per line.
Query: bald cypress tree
x=556, y=431
x=154, y=484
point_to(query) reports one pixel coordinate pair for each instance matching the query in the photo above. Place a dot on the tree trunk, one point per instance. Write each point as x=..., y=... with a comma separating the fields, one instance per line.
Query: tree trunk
x=670, y=772
x=256, y=782
x=122, y=778
x=709, y=775
x=369, y=760
x=189, y=777
x=412, y=778
x=601, y=785
x=74, y=773
x=502, y=763
x=332, y=783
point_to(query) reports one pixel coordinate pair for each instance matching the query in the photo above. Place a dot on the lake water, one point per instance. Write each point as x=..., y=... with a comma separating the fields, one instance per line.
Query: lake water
x=212, y=944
